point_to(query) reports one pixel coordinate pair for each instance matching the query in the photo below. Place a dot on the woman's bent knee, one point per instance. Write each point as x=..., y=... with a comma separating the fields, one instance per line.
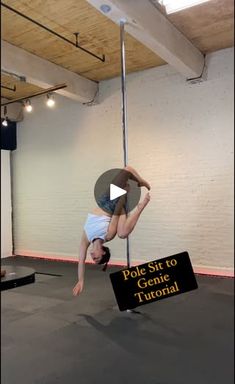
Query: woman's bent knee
x=122, y=235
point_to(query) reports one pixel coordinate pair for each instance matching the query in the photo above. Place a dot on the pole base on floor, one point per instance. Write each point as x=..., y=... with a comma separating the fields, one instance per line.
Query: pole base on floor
x=133, y=311
x=16, y=277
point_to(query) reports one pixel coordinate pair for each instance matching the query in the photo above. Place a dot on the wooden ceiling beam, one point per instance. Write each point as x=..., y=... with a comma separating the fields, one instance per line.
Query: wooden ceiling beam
x=149, y=26
x=45, y=74
x=14, y=111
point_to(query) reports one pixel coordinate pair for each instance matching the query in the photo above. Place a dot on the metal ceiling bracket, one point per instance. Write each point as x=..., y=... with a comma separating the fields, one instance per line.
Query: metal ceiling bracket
x=9, y=89
x=20, y=78
x=202, y=77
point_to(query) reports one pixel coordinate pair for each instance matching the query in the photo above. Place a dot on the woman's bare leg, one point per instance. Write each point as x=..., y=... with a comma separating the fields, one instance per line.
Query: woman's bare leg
x=136, y=176
x=126, y=224
x=129, y=173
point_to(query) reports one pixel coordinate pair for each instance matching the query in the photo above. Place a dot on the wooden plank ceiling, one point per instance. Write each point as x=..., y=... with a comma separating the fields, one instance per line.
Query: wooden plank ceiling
x=22, y=89
x=97, y=34
x=209, y=26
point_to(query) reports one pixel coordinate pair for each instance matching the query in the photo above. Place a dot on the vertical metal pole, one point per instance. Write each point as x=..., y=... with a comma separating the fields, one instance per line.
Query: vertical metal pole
x=124, y=99
x=124, y=113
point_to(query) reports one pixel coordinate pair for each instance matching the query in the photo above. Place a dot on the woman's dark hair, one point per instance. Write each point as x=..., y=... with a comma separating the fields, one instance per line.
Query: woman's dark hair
x=105, y=258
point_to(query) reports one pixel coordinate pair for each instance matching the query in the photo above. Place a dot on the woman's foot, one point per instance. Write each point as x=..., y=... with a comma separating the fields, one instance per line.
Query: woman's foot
x=144, y=183
x=144, y=202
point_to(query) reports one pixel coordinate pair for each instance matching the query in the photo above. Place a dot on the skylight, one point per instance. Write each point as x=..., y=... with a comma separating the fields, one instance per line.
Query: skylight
x=172, y=6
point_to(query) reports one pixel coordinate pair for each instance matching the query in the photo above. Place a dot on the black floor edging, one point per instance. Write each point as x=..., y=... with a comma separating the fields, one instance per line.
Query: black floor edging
x=48, y=274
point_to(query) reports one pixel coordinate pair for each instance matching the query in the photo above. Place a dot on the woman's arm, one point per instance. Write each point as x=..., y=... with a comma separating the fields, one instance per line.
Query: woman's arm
x=81, y=265
x=112, y=228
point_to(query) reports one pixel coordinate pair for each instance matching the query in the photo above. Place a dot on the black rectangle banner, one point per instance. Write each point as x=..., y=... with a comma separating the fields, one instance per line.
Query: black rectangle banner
x=153, y=281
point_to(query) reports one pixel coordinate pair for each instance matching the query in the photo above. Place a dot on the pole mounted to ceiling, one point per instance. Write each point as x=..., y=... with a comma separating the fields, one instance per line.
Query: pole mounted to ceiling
x=124, y=127
x=124, y=98
x=124, y=116
x=76, y=45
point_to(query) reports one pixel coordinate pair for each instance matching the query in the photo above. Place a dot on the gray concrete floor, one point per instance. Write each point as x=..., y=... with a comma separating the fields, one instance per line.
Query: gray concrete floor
x=50, y=337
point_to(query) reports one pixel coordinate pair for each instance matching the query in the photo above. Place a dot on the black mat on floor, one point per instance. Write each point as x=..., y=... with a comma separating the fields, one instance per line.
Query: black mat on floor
x=50, y=337
x=16, y=276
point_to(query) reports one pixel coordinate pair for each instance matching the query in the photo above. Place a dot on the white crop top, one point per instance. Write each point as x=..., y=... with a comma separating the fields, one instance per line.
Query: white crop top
x=96, y=226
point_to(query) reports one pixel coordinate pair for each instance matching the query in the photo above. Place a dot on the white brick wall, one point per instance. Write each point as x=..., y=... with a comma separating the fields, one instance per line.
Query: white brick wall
x=180, y=139
x=6, y=209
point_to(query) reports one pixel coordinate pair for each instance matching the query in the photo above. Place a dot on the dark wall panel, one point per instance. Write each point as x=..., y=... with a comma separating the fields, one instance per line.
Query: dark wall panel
x=8, y=136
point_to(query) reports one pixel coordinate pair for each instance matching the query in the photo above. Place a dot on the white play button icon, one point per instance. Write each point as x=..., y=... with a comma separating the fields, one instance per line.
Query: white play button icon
x=110, y=187
x=116, y=192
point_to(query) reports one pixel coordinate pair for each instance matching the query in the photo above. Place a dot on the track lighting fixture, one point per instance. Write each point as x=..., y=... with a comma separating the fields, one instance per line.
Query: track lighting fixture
x=50, y=100
x=28, y=106
x=5, y=122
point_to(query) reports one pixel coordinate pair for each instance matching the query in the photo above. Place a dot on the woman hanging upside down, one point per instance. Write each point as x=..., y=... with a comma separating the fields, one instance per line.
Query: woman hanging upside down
x=102, y=226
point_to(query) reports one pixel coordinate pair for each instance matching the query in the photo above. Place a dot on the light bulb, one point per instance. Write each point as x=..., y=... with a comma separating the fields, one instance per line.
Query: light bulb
x=50, y=101
x=5, y=123
x=28, y=106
